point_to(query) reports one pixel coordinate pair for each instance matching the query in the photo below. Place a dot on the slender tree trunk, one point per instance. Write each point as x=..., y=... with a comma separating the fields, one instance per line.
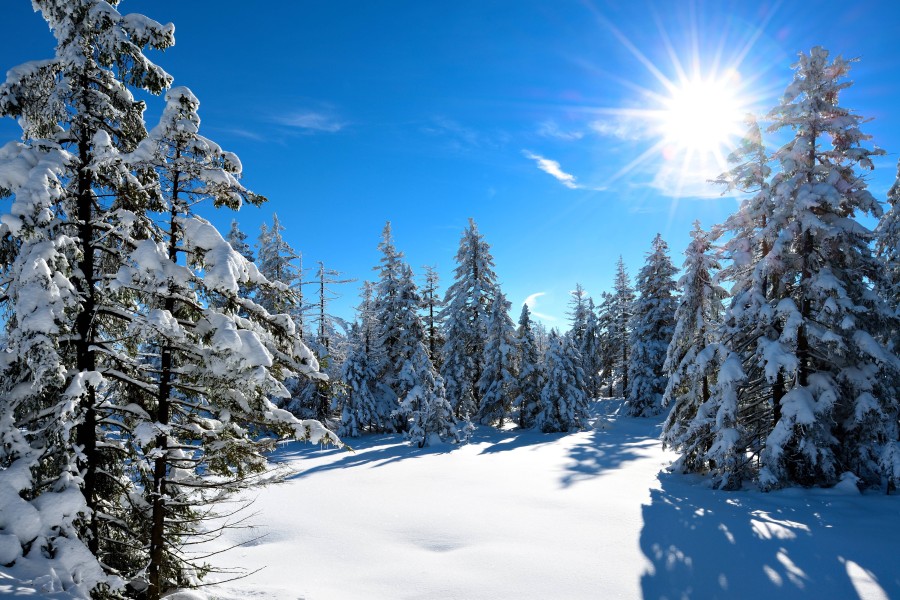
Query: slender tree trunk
x=160, y=465
x=86, y=359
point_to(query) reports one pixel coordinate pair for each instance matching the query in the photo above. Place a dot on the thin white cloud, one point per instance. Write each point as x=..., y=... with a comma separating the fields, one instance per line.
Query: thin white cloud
x=311, y=121
x=550, y=129
x=551, y=167
x=531, y=302
x=623, y=128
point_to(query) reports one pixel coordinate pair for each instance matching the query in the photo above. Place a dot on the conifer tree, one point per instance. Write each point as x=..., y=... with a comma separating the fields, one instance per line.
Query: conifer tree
x=806, y=306
x=830, y=315
x=621, y=307
x=280, y=263
x=729, y=430
x=498, y=380
x=75, y=205
x=563, y=400
x=466, y=309
x=697, y=325
x=388, y=345
x=357, y=400
x=432, y=306
x=213, y=371
x=238, y=241
x=591, y=349
x=652, y=323
x=607, y=325
x=887, y=236
x=530, y=381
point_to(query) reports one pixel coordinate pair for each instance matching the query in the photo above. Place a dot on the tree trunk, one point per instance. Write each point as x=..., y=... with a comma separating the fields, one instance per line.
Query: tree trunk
x=86, y=359
x=158, y=518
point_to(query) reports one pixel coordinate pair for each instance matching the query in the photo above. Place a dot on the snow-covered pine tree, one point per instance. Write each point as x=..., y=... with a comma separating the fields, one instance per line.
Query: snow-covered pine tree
x=238, y=241
x=422, y=411
x=563, y=400
x=652, y=323
x=466, y=308
x=315, y=399
x=432, y=305
x=591, y=349
x=607, y=325
x=888, y=249
x=835, y=415
x=578, y=314
x=498, y=382
x=278, y=262
x=887, y=237
x=697, y=325
x=621, y=308
x=75, y=204
x=425, y=404
x=729, y=430
x=203, y=400
x=530, y=379
x=388, y=345
x=357, y=400
x=585, y=334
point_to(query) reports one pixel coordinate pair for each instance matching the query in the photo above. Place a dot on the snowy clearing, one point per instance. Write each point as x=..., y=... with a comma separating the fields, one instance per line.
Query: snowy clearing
x=530, y=515
x=539, y=516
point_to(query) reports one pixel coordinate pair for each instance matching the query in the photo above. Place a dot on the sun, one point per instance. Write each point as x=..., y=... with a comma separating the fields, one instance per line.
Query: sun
x=703, y=116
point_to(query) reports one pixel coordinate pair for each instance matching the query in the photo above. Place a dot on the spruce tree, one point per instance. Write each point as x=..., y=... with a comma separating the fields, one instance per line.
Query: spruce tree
x=209, y=368
x=887, y=237
x=238, y=241
x=563, y=400
x=835, y=415
x=591, y=349
x=466, y=308
x=388, y=344
x=621, y=307
x=530, y=379
x=432, y=304
x=280, y=263
x=801, y=333
x=498, y=380
x=697, y=325
x=357, y=399
x=608, y=355
x=76, y=204
x=652, y=323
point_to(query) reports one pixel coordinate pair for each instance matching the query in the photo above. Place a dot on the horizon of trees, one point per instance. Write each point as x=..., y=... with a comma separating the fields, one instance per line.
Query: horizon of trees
x=151, y=362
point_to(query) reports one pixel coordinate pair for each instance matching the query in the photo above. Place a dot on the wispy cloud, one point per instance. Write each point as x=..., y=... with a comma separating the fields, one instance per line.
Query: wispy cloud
x=550, y=129
x=312, y=121
x=627, y=129
x=551, y=167
x=461, y=137
x=531, y=303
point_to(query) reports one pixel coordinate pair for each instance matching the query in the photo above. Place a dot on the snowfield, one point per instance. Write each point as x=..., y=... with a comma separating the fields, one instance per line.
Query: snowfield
x=537, y=516
x=528, y=515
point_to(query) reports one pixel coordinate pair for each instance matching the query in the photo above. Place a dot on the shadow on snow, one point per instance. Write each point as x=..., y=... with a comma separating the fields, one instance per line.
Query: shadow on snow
x=793, y=543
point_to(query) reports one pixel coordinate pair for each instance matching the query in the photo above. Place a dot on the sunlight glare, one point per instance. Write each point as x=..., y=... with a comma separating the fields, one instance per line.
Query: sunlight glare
x=703, y=115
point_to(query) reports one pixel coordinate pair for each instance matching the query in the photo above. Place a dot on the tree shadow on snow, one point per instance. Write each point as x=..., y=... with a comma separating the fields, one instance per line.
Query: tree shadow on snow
x=375, y=450
x=795, y=543
x=615, y=440
x=605, y=450
x=511, y=439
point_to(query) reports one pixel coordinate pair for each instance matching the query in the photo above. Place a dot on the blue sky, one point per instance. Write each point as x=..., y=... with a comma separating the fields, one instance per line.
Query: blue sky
x=538, y=119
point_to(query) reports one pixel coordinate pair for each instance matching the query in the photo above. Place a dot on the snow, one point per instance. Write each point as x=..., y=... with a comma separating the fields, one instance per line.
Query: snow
x=528, y=515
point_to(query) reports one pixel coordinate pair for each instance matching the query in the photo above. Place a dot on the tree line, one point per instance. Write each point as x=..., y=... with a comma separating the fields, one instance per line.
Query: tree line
x=150, y=362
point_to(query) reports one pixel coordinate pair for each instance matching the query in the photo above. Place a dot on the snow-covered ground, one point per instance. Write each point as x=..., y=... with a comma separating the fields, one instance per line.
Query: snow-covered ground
x=535, y=516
